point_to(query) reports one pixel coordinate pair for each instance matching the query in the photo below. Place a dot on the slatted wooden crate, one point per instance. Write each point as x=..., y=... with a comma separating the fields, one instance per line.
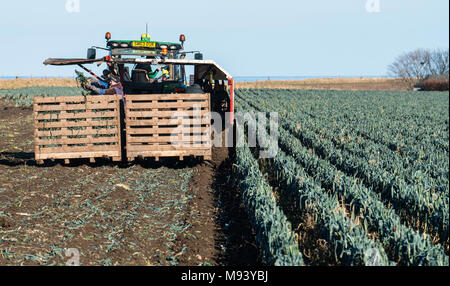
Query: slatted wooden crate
x=70, y=127
x=168, y=125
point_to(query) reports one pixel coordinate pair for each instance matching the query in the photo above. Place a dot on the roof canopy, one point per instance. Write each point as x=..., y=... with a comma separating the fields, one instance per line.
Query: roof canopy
x=69, y=62
x=203, y=68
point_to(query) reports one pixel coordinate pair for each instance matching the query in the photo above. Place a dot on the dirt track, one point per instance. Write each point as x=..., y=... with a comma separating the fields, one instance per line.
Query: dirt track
x=147, y=213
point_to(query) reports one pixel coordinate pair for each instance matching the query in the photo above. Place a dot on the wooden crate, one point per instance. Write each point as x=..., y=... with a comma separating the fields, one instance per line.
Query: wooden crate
x=168, y=125
x=71, y=127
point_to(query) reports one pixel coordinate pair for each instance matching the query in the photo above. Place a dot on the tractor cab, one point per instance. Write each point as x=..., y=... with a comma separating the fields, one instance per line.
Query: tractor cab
x=150, y=77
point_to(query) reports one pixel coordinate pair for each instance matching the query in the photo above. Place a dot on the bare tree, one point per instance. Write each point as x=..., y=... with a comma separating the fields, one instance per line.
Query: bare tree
x=439, y=62
x=417, y=65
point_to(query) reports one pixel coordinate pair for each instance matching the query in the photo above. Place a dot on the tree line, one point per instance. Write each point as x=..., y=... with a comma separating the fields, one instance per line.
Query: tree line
x=421, y=64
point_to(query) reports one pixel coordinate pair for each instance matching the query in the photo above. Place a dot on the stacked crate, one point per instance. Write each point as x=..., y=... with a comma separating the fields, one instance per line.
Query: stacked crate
x=72, y=127
x=168, y=125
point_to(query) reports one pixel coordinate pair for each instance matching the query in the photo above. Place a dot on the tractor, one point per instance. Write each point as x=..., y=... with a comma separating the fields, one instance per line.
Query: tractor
x=155, y=86
x=134, y=60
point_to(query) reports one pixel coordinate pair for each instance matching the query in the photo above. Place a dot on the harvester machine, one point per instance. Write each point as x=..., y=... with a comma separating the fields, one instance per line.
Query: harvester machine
x=157, y=112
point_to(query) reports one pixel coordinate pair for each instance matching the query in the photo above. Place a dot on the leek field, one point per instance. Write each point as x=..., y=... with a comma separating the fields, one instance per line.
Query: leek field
x=360, y=177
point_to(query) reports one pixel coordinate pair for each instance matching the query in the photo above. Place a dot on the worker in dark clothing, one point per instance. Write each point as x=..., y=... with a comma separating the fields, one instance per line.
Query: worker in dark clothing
x=100, y=87
x=102, y=82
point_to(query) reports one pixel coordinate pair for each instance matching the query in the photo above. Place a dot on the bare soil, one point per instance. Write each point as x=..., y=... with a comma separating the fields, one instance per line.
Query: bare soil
x=144, y=213
x=220, y=230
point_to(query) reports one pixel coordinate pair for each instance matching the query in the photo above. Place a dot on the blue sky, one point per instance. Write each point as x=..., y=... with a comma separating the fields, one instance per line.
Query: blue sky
x=247, y=38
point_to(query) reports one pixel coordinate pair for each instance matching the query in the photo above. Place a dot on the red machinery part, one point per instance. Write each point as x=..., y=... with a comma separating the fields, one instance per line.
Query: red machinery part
x=231, y=85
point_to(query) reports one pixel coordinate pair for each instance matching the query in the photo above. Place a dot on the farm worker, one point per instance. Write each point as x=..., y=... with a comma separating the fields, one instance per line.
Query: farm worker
x=102, y=82
x=154, y=75
x=166, y=74
x=116, y=86
x=106, y=75
x=99, y=87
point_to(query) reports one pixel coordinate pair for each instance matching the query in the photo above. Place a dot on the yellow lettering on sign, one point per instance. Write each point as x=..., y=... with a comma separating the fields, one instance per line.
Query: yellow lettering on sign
x=144, y=44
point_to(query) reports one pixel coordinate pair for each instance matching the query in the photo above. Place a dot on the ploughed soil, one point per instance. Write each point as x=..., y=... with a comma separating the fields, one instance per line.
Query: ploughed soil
x=142, y=213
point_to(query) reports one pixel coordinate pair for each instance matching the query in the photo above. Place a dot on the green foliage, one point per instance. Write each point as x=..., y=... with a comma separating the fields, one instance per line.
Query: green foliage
x=24, y=96
x=361, y=146
x=81, y=79
x=274, y=234
x=350, y=241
